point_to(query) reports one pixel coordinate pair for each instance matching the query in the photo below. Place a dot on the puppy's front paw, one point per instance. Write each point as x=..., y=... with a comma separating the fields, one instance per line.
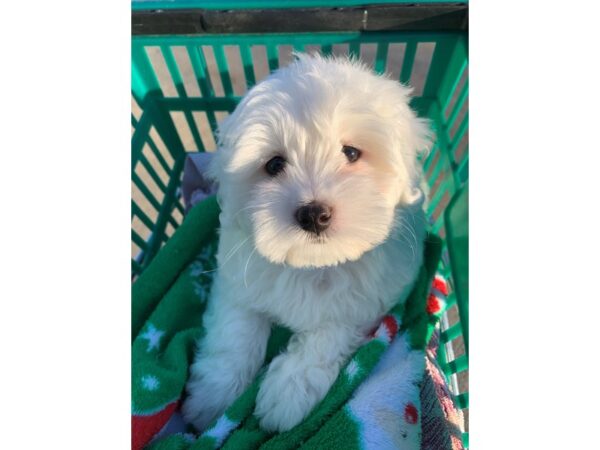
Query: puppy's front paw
x=289, y=392
x=200, y=407
x=210, y=390
x=281, y=405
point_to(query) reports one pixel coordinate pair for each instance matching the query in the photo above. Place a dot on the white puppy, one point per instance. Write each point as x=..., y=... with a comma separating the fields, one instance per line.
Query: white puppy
x=322, y=231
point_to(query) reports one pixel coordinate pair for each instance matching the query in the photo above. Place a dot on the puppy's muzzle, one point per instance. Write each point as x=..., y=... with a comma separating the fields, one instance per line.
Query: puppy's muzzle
x=314, y=217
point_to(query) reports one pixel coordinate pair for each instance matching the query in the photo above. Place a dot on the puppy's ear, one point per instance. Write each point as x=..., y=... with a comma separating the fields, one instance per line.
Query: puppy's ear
x=215, y=169
x=423, y=136
x=418, y=140
x=231, y=130
x=218, y=165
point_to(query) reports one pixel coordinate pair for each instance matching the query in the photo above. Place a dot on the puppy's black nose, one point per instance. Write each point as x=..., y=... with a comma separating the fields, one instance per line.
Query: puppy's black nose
x=314, y=217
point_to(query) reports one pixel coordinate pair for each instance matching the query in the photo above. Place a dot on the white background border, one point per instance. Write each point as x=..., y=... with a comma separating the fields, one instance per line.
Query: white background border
x=65, y=190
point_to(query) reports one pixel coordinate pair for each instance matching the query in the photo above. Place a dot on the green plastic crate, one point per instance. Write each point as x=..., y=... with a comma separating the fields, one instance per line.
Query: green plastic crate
x=182, y=85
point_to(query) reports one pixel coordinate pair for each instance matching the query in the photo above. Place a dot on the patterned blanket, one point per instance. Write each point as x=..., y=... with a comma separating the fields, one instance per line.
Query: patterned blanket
x=377, y=402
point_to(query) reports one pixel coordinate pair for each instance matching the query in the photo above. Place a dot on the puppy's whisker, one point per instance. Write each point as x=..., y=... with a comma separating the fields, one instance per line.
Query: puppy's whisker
x=410, y=230
x=246, y=267
x=412, y=216
x=228, y=256
x=245, y=209
x=207, y=271
x=406, y=241
x=405, y=225
x=234, y=250
x=410, y=242
x=413, y=235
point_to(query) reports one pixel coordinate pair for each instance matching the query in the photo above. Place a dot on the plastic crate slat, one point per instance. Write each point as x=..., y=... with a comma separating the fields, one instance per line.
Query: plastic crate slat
x=453, y=70
x=208, y=105
x=144, y=189
x=224, y=69
x=173, y=70
x=437, y=226
x=146, y=164
x=171, y=219
x=441, y=65
x=439, y=166
x=173, y=223
x=462, y=400
x=431, y=157
x=464, y=173
x=464, y=159
x=272, y=57
x=463, y=66
x=465, y=439
x=246, y=56
x=136, y=267
x=409, y=59
x=179, y=85
x=194, y=130
x=458, y=105
x=199, y=67
x=459, y=133
x=164, y=213
x=212, y=120
x=137, y=239
x=445, y=149
x=451, y=333
x=445, y=368
x=165, y=237
x=451, y=299
x=354, y=49
x=381, y=57
x=459, y=364
x=463, y=167
x=329, y=37
x=439, y=195
x=180, y=207
x=137, y=211
x=298, y=46
x=442, y=355
x=144, y=79
x=158, y=155
x=139, y=138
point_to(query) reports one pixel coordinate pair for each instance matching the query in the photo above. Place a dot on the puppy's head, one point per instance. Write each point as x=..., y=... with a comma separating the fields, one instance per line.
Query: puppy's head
x=315, y=159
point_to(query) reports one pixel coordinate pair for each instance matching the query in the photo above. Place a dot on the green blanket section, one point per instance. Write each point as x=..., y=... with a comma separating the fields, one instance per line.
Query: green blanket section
x=168, y=300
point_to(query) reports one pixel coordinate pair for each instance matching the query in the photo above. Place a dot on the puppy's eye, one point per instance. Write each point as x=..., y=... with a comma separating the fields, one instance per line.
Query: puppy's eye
x=275, y=165
x=351, y=153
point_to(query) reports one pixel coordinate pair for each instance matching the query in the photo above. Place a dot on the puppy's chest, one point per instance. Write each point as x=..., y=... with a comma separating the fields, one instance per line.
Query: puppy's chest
x=304, y=300
x=354, y=294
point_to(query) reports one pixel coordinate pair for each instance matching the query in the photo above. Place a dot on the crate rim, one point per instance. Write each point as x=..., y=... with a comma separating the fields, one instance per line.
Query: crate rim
x=139, y=5
x=152, y=19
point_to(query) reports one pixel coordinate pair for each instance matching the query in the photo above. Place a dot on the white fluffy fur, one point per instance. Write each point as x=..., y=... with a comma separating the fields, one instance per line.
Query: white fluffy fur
x=329, y=291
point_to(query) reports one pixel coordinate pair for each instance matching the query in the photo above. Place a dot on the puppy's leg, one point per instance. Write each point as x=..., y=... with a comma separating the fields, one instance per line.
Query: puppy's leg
x=299, y=378
x=228, y=358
